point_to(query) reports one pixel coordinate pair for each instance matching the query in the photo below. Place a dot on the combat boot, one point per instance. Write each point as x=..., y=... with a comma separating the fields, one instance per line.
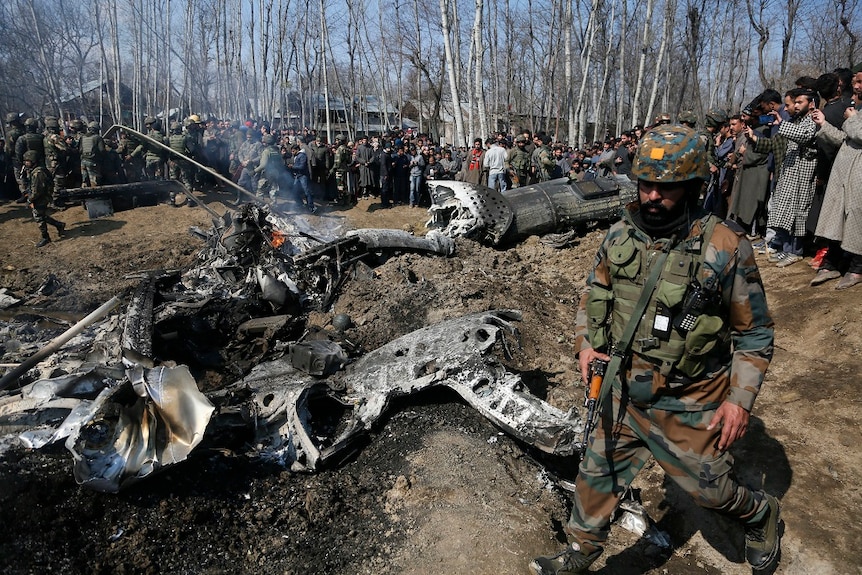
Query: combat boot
x=570, y=562
x=763, y=541
x=43, y=242
x=61, y=228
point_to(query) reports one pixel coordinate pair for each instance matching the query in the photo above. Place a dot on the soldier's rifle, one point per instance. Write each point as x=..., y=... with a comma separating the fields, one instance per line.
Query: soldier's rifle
x=591, y=400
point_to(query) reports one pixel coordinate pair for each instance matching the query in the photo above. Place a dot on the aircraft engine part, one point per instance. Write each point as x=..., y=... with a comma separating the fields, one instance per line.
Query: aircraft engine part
x=433, y=242
x=318, y=357
x=478, y=212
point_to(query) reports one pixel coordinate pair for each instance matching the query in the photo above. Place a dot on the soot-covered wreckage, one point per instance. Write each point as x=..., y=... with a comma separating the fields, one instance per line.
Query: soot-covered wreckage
x=118, y=388
x=121, y=393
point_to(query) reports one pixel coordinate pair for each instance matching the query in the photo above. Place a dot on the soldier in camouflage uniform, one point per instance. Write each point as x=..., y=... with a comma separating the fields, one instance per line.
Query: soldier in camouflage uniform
x=544, y=160
x=133, y=165
x=683, y=391
x=39, y=185
x=73, y=153
x=14, y=130
x=154, y=157
x=56, y=153
x=178, y=169
x=341, y=170
x=92, y=156
x=30, y=141
x=519, y=160
x=249, y=158
x=271, y=170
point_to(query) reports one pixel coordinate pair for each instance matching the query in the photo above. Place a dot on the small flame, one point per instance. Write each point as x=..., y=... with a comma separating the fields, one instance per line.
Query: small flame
x=278, y=238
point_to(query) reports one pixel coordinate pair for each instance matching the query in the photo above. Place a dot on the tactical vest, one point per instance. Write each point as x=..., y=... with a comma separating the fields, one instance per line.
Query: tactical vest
x=89, y=149
x=177, y=143
x=270, y=161
x=520, y=161
x=342, y=158
x=154, y=153
x=35, y=143
x=609, y=310
x=40, y=195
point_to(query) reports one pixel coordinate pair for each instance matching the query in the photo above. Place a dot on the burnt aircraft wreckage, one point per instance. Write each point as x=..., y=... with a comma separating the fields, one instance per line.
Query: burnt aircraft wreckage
x=119, y=388
x=560, y=206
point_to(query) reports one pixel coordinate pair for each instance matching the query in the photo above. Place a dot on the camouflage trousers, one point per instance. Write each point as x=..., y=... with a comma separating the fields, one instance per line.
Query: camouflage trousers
x=154, y=168
x=681, y=444
x=40, y=214
x=91, y=172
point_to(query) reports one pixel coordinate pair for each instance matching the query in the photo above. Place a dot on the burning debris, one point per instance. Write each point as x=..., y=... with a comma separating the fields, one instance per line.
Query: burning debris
x=122, y=392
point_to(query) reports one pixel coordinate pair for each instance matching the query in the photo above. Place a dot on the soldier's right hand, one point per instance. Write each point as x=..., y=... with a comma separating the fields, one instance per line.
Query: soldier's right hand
x=585, y=358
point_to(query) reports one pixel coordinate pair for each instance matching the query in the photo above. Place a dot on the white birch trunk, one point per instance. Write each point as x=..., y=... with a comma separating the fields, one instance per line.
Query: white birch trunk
x=646, y=44
x=453, y=78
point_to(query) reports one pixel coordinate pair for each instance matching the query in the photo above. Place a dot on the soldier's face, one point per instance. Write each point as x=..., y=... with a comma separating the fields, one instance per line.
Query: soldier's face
x=659, y=200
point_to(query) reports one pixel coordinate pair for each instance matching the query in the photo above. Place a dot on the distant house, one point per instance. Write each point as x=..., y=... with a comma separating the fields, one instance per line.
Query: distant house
x=363, y=114
x=92, y=101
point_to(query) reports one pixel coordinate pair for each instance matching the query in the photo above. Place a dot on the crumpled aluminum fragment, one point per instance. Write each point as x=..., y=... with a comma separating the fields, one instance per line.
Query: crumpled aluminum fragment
x=153, y=419
x=48, y=410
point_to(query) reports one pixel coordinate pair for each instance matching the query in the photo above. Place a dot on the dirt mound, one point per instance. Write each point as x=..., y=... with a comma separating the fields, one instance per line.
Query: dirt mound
x=436, y=488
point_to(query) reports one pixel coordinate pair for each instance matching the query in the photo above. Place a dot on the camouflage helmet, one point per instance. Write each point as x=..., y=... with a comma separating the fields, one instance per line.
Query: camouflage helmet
x=31, y=122
x=194, y=119
x=268, y=139
x=149, y=121
x=671, y=153
x=716, y=118
x=93, y=126
x=339, y=138
x=77, y=125
x=11, y=117
x=51, y=122
x=663, y=118
x=520, y=138
x=31, y=156
x=176, y=126
x=687, y=117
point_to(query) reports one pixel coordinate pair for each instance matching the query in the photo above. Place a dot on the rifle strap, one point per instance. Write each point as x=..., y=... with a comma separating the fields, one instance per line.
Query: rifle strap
x=620, y=349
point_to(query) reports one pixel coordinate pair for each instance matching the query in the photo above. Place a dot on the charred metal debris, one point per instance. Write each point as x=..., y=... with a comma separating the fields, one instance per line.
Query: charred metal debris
x=122, y=394
x=560, y=206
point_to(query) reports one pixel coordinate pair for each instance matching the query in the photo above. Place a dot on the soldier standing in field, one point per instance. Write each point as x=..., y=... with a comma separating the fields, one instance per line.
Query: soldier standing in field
x=39, y=191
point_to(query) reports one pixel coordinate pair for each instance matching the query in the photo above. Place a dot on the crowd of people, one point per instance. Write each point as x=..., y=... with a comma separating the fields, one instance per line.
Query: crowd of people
x=779, y=167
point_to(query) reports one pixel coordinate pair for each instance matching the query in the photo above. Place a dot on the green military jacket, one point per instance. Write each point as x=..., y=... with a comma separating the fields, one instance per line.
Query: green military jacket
x=735, y=369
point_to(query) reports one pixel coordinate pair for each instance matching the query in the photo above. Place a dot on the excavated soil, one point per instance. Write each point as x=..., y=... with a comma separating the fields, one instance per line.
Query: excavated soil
x=435, y=488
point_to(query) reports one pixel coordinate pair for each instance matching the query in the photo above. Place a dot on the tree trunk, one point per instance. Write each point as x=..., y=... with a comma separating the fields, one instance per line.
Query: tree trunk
x=646, y=43
x=479, y=70
x=453, y=79
x=670, y=11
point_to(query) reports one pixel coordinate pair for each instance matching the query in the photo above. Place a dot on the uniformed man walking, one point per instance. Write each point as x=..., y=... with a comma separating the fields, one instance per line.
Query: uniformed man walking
x=39, y=190
x=676, y=308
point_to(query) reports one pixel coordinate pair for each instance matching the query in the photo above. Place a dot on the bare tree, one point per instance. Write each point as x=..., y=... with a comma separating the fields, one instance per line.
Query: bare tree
x=452, y=74
x=646, y=45
x=759, y=24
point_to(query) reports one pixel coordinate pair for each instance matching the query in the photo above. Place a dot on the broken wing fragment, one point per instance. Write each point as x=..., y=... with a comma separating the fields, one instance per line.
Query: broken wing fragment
x=153, y=419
